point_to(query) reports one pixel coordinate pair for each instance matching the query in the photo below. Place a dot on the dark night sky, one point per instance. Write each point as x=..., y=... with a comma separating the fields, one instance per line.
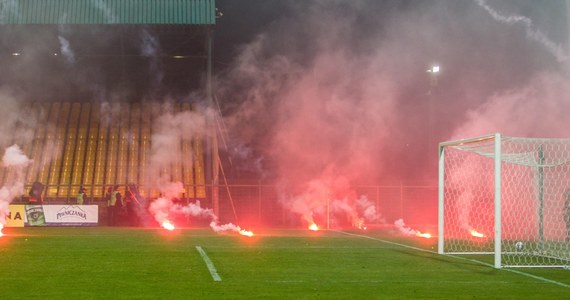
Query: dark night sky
x=241, y=21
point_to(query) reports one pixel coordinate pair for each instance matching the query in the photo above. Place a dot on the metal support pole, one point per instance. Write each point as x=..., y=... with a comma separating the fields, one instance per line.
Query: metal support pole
x=441, y=199
x=498, y=199
x=214, y=157
x=541, y=198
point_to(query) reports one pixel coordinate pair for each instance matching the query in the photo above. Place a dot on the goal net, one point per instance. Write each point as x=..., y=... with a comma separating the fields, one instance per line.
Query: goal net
x=508, y=197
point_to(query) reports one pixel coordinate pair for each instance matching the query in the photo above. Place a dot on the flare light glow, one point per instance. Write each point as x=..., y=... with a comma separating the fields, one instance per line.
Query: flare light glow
x=423, y=235
x=475, y=233
x=246, y=233
x=168, y=225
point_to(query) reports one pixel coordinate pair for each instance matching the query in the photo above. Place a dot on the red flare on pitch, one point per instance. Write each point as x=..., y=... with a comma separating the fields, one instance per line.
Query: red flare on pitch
x=246, y=233
x=360, y=225
x=475, y=233
x=423, y=235
x=314, y=227
x=167, y=225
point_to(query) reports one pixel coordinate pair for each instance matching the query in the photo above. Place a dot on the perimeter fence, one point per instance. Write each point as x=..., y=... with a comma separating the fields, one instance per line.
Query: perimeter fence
x=263, y=205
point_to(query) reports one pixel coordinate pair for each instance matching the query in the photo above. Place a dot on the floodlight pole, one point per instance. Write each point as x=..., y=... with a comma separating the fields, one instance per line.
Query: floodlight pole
x=432, y=94
x=214, y=154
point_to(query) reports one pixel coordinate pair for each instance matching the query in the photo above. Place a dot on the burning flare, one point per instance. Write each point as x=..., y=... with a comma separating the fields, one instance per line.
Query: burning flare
x=167, y=225
x=401, y=226
x=314, y=227
x=359, y=223
x=162, y=208
x=423, y=235
x=1, y=227
x=246, y=232
x=475, y=233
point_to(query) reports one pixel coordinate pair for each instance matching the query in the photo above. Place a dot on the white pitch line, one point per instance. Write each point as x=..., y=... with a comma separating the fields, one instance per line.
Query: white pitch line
x=461, y=258
x=209, y=264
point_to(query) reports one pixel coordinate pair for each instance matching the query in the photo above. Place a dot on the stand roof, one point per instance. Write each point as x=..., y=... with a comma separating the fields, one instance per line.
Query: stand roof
x=44, y=12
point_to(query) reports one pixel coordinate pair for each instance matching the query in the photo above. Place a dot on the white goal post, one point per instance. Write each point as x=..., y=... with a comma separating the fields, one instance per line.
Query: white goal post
x=508, y=197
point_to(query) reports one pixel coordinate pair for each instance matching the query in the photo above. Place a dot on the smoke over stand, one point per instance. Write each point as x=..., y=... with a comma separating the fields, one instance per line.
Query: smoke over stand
x=16, y=160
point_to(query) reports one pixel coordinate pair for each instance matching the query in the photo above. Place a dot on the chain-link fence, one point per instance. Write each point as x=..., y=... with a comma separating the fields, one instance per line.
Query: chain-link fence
x=262, y=204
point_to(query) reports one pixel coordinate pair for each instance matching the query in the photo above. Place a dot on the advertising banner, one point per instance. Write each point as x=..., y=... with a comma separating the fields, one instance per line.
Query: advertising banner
x=35, y=215
x=16, y=216
x=70, y=215
x=52, y=215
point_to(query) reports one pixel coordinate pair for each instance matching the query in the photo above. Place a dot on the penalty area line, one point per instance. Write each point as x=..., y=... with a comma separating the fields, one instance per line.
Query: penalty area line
x=209, y=264
x=460, y=258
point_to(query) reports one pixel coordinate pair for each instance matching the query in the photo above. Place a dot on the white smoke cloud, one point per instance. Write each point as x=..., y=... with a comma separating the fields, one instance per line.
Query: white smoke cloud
x=312, y=200
x=13, y=159
x=150, y=47
x=369, y=210
x=535, y=110
x=160, y=209
x=11, y=118
x=66, y=50
x=195, y=210
x=163, y=209
x=169, y=129
x=334, y=196
x=532, y=109
x=226, y=227
x=404, y=229
x=531, y=31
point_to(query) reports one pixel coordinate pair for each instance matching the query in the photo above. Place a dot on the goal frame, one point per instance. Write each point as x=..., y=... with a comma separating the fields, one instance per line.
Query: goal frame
x=546, y=160
x=497, y=191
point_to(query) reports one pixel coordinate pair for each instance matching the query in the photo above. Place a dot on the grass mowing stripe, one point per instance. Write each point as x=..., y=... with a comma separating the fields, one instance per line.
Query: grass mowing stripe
x=460, y=258
x=209, y=264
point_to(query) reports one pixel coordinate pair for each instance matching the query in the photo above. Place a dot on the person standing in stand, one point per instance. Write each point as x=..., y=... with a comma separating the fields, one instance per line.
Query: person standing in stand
x=119, y=204
x=110, y=212
x=36, y=193
x=114, y=205
x=81, y=196
x=131, y=203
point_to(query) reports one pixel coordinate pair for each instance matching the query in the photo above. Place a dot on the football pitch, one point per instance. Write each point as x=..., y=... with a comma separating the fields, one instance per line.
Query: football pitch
x=128, y=263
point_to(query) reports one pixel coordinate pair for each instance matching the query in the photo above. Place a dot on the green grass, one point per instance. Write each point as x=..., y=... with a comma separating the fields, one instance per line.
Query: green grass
x=126, y=263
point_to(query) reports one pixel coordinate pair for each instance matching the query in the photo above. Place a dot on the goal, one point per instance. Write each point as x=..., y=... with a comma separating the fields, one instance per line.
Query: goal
x=508, y=197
